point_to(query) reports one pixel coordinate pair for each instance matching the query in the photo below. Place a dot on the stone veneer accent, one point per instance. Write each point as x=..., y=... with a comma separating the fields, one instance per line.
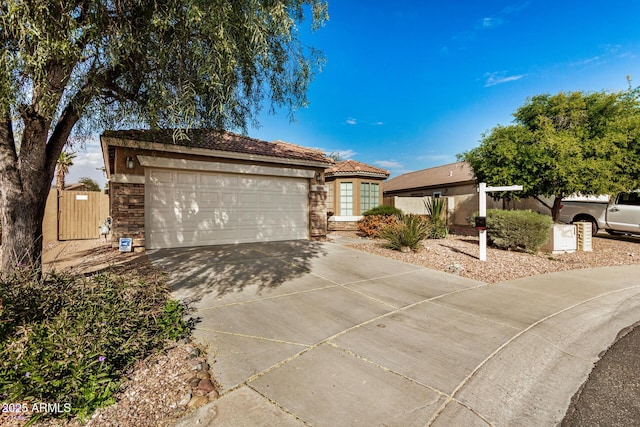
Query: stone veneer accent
x=127, y=212
x=318, y=210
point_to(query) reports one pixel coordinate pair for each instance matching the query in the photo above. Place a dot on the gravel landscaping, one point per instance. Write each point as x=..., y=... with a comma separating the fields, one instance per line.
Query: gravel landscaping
x=458, y=254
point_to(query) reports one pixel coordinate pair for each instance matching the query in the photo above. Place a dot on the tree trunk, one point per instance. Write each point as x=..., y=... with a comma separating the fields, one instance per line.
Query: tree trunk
x=22, y=229
x=555, y=209
x=59, y=180
x=25, y=180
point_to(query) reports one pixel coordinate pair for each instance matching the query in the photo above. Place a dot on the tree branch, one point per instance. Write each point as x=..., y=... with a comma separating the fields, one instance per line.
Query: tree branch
x=8, y=157
x=545, y=204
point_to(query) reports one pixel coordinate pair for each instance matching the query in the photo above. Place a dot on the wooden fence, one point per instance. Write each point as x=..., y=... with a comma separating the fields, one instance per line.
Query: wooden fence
x=74, y=215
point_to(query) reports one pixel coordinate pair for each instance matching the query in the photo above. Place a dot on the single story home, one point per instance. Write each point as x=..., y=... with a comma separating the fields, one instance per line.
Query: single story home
x=448, y=180
x=456, y=182
x=353, y=188
x=77, y=186
x=172, y=188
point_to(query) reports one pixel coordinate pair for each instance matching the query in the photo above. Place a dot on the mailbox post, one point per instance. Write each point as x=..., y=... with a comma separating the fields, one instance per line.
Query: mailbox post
x=483, y=190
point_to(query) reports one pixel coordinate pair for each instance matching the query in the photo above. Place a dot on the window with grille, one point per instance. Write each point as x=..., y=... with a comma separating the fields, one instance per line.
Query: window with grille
x=369, y=196
x=346, y=198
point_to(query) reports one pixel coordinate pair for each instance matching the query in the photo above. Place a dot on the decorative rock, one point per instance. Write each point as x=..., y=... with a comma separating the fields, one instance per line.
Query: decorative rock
x=213, y=395
x=206, y=385
x=405, y=249
x=454, y=268
x=194, y=352
x=196, y=365
x=197, y=401
x=203, y=375
x=185, y=399
x=193, y=382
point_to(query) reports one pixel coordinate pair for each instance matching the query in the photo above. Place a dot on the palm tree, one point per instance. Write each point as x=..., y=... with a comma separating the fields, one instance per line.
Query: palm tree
x=65, y=160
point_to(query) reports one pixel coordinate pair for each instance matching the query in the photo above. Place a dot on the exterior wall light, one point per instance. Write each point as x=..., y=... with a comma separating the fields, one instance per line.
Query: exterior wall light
x=130, y=163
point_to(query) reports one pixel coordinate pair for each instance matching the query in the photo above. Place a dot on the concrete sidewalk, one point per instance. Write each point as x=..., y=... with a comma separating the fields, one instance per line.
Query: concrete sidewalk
x=307, y=333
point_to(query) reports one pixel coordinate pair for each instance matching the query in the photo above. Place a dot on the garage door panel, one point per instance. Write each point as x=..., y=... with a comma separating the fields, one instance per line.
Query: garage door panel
x=186, y=178
x=203, y=208
x=161, y=177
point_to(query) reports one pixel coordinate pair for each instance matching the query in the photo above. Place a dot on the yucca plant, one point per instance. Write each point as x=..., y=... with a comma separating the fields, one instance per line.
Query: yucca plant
x=407, y=234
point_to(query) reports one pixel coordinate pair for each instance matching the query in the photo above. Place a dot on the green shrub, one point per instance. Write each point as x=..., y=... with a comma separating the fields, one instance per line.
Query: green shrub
x=70, y=340
x=518, y=230
x=408, y=232
x=371, y=225
x=382, y=210
x=437, y=212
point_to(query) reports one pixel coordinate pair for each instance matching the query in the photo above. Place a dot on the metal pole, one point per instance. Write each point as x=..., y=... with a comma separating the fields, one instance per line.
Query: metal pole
x=482, y=194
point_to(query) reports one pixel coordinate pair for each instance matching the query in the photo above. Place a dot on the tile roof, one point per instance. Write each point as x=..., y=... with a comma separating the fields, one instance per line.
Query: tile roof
x=222, y=141
x=351, y=167
x=454, y=173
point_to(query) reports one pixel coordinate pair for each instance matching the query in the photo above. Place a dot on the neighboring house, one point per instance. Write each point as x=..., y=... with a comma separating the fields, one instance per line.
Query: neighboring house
x=212, y=188
x=454, y=181
x=353, y=188
x=448, y=180
x=78, y=186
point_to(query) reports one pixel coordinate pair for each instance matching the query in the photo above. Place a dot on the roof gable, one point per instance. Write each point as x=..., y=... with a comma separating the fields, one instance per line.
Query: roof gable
x=454, y=173
x=353, y=167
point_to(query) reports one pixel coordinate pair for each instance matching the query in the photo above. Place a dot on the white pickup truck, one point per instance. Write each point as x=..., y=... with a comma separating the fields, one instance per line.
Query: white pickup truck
x=620, y=217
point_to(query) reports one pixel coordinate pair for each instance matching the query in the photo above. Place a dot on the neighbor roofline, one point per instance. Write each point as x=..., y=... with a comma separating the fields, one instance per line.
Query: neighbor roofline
x=448, y=184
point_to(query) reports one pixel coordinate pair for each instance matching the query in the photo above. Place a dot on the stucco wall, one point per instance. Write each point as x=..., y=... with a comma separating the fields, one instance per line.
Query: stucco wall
x=333, y=201
x=461, y=208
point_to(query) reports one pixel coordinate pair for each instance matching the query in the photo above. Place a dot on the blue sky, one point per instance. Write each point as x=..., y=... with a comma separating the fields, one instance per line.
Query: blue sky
x=410, y=84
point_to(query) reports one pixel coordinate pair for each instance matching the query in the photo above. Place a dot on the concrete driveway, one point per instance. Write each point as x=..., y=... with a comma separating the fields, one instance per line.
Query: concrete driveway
x=309, y=333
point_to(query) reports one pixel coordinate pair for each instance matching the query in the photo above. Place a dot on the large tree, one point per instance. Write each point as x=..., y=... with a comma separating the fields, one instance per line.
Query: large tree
x=558, y=145
x=172, y=63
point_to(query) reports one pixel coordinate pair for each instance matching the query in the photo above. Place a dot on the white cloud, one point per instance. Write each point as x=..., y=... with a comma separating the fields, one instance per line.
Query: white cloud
x=389, y=164
x=346, y=154
x=490, y=23
x=499, y=78
x=353, y=121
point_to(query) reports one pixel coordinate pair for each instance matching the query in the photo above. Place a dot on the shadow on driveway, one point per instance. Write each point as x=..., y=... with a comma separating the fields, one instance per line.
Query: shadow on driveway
x=215, y=271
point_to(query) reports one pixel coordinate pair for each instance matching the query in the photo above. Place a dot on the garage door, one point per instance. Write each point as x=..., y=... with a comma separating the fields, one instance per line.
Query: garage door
x=185, y=208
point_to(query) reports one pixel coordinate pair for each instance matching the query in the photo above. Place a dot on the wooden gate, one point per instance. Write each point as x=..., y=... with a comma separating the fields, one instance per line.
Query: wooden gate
x=80, y=214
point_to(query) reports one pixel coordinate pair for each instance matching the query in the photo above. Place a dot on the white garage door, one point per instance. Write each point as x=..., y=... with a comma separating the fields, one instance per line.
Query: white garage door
x=185, y=208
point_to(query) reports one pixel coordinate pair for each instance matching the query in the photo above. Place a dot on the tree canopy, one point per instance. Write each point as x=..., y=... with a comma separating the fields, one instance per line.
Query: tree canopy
x=569, y=143
x=90, y=183
x=174, y=63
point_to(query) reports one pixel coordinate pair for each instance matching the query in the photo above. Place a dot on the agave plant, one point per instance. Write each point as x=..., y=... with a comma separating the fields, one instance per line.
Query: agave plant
x=407, y=234
x=437, y=212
